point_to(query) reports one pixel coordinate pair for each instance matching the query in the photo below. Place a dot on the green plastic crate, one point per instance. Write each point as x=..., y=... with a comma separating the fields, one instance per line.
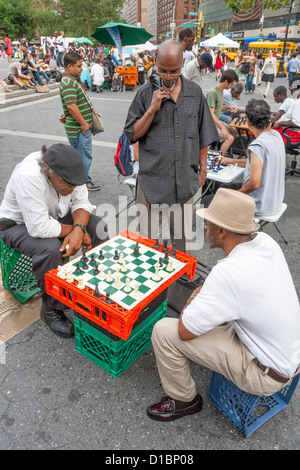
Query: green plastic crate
x=115, y=356
x=17, y=275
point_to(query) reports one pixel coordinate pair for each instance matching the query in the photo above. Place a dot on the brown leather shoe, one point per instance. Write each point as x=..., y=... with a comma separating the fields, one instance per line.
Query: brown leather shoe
x=165, y=410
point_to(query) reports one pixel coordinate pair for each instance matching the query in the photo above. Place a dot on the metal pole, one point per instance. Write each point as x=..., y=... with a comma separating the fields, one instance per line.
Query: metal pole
x=173, y=19
x=281, y=70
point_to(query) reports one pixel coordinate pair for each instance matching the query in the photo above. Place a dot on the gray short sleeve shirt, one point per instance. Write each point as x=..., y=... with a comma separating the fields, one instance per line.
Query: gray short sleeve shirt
x=169, y=151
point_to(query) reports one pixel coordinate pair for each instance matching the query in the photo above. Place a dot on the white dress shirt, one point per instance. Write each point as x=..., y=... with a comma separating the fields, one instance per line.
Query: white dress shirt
x=31, y=199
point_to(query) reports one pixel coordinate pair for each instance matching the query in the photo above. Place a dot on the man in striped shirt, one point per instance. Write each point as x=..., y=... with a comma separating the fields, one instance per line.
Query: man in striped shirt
x=77, y=113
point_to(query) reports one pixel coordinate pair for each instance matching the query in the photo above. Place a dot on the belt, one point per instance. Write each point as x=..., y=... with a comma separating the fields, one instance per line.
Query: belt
x=274, y=375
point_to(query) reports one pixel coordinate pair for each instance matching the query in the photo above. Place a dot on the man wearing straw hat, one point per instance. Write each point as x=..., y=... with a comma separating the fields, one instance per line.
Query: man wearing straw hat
x=244, y=323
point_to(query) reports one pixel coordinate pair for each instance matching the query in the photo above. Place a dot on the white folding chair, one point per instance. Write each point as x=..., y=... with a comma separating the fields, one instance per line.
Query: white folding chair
x=273, y=219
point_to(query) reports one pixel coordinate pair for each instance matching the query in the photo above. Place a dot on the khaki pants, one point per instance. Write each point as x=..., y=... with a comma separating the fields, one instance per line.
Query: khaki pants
x=219, y=350
x=180, y=221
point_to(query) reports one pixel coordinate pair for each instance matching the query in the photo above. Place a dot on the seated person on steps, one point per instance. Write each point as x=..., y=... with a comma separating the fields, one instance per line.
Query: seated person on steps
x=244, y=323
x=46, y=200
x=15, y=74
x=280, y=96
x=215, y=101
x=264, y=177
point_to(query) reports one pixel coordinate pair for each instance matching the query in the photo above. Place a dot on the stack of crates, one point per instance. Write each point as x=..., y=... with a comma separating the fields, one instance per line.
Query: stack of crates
x=109, y=351
x=17, y=275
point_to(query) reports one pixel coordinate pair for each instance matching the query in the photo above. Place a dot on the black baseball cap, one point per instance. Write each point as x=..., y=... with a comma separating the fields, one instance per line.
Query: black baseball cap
x=67, y=163
x=206, y=57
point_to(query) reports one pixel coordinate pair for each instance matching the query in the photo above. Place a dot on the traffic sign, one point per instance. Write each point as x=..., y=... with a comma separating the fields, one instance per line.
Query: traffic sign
x=193, y=13
x=190, y=25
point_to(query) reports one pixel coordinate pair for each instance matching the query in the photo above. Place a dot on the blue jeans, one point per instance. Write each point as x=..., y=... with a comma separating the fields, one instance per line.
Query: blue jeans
x=59, y=59
x=83, y=144
x=224, y=116
x=291, y=75
x=249, y=84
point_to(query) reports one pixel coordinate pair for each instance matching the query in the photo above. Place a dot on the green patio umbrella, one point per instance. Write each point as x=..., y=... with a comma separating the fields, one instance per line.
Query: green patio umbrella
x=82, y=40
x=128, y=34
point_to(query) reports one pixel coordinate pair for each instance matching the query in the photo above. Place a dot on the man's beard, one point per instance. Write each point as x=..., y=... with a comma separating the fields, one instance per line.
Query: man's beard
x=171, y=87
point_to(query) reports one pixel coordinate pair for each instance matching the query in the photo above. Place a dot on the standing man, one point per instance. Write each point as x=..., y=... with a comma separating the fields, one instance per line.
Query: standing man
x=196, y=67
x=186, y=40
x=77, y=115
x=61, y=45
x=174, y=127
x=215, y=101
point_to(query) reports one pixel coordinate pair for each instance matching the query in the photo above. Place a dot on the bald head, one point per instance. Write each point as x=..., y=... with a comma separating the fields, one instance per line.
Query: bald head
x=170, y=50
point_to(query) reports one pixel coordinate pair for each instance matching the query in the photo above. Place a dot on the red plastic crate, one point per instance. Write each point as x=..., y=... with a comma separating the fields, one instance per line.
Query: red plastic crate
x=113, y=317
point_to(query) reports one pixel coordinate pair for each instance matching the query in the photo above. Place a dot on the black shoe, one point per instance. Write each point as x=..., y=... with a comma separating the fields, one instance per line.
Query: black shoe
x=24, y=87
x=92, y=187
x=57, y=321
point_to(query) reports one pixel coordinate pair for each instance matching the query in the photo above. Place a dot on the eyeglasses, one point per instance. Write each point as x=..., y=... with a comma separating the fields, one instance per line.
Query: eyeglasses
x=171, y=75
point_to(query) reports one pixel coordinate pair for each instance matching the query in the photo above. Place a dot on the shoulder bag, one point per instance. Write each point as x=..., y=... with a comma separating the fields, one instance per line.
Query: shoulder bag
x=97, y=124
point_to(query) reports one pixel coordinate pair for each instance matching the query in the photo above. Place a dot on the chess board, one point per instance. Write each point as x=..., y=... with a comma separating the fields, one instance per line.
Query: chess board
x=240, y=122
x=140, y=270
x=118, y=315
x=212, y=165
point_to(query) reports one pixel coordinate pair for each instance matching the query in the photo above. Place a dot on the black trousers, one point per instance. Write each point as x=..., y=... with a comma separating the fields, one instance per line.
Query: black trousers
x=45, y=253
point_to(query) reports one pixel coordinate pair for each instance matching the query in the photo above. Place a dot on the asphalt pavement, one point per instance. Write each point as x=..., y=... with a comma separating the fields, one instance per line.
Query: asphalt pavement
x=53, y=398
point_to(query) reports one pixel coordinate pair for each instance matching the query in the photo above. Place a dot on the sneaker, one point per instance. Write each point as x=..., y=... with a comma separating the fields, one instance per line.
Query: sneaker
x=92, y=187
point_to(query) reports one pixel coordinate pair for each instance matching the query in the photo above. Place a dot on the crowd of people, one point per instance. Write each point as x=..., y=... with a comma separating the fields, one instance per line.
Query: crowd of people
x=47, y=214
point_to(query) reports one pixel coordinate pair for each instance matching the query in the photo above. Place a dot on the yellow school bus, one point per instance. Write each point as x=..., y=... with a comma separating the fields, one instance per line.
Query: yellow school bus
x=231, y=51
x=264, y=46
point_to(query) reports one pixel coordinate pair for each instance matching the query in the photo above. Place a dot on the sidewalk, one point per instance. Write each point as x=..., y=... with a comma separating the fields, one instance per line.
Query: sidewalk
x=51, y=397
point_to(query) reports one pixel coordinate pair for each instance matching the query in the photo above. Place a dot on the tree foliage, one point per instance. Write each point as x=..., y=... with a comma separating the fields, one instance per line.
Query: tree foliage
x=43, y=17
x=239, y=6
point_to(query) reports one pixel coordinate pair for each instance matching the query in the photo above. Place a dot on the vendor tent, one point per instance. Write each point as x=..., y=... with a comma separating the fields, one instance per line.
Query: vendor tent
x=219, y=41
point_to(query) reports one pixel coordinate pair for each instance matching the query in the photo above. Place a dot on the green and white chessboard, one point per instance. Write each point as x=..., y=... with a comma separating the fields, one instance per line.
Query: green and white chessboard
x=140, y=270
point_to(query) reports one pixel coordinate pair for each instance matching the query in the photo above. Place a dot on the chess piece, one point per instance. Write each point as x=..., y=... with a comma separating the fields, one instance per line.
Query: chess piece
x=58, y=274
x=156, y=245
x=107, y=298
x=116, y=256
x=166, y=257
x=101, y=255
x=63, y=273
x=97, y=292
x=101, y=274
x=160, y=262
x=136, y=250
x=164, y=247
x=96, y=270
x=70, y=277
x=121, y=260
x=156, y=276
x=92, y=260
x=173, y=251
x=77, y=270
x=127, y=288
x=117, y=284
x=109, y=277
x=124, y=268
x=169, y=268
x=81, y=284
x=85, y=265
x=136, y=293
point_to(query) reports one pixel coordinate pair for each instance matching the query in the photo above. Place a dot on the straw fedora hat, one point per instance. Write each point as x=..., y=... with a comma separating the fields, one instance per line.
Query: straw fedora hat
x=231, y=210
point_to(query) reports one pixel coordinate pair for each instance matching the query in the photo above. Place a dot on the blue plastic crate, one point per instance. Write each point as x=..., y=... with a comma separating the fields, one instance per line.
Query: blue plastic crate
x=247, y=412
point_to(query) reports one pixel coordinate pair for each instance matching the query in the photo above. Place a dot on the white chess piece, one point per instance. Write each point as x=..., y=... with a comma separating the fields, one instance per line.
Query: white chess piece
x=121, y=259
x=169, y=268
x=127, y=288
x=124, y=268
x=101, y=274
x=69, y=276
x=63, y=273
x=117, y=284
x=109, y=277
x=136, y=292
x=58, y=274
x=81, y=284
x=156, y=276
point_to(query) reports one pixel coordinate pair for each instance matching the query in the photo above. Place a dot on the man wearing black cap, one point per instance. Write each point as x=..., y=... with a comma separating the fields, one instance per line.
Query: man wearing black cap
x=196, y=67
x=46, y=215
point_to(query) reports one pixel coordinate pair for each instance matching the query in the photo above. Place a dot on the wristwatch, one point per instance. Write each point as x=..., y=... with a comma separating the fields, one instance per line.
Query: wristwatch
x=83, y=227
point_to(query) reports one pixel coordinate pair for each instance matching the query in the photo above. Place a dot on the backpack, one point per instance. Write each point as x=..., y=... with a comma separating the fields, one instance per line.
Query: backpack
x=245, y=67
x=123, y=159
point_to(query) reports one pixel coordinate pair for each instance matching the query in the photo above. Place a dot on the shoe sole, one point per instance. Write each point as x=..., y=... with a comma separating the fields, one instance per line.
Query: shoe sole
x=93, y=189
